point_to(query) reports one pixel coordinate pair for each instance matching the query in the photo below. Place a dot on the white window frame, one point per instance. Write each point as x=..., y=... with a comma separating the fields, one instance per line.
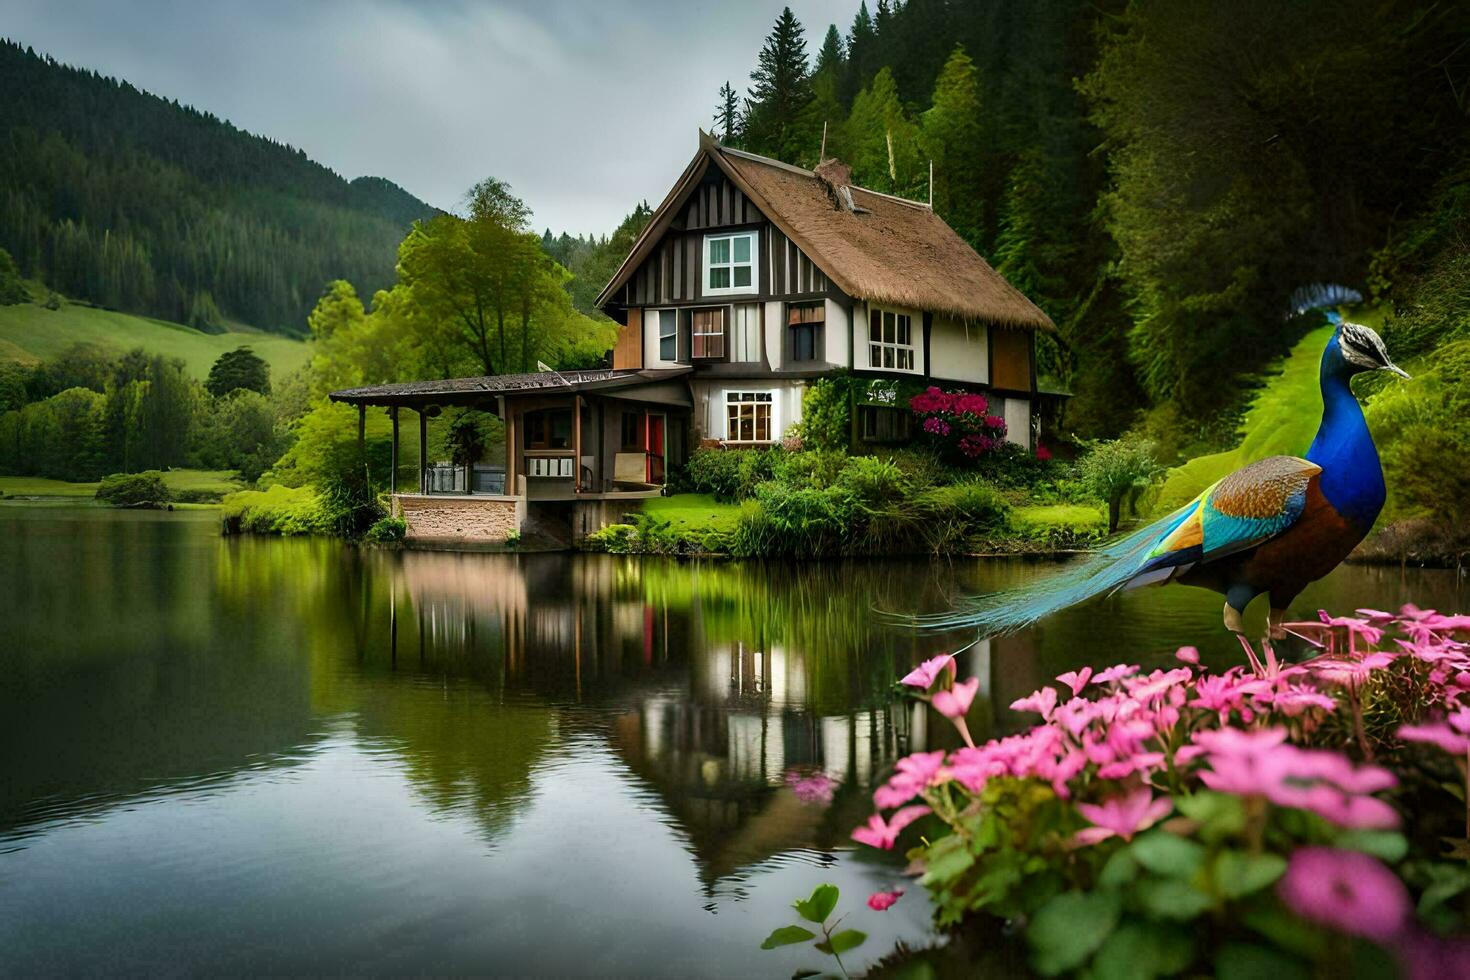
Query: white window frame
x=756, y=398
x=753, y=264
x=901, y=351
x=745, y=333
x=658, y=337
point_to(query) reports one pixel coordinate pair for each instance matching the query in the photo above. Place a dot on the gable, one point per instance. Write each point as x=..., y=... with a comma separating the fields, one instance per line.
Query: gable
x=671, y=272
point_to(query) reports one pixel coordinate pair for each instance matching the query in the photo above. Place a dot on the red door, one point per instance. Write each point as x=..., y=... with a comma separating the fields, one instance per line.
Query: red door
x=656, y=449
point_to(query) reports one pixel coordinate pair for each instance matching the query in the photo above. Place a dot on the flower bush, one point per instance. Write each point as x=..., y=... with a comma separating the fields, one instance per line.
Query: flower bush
x=1182, y=820
x=957, y=422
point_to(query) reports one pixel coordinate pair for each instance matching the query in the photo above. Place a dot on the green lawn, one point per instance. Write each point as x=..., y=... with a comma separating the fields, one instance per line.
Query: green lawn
x=693, y=510
x=29, y=332
x=1032, y=519
x=214, y=481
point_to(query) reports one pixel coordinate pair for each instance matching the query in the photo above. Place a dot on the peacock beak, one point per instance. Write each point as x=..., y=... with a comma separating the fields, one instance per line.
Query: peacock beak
x=1395, y=369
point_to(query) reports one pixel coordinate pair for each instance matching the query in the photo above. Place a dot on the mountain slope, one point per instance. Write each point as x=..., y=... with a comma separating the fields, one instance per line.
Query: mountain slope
x=141, y=204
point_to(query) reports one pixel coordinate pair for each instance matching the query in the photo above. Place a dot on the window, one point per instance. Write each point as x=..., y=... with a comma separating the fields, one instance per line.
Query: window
x=549, y=429
x=667, y=322
x=890, y=340
x=805, y=322
x=745, y=338
x=749, y=415
x=709, y=333
x=883, y=424
x=632, y=431
x=729, y=264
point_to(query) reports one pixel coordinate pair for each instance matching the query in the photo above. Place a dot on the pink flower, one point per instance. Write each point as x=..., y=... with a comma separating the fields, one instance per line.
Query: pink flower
x=816, y=788
x=1076, y=679
x=1345, y=890
x=1189, y=655
x=924, y=675
x=883, y=901
x=1122, y=816
x=1042, y=453
x=1115, y=673
x=911, y=775
x=1452, y=735
x=877, y=833
x=1042, y=702
x=955, y=702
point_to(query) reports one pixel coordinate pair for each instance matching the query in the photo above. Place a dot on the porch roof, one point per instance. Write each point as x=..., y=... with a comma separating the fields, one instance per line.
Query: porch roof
x=467, y=391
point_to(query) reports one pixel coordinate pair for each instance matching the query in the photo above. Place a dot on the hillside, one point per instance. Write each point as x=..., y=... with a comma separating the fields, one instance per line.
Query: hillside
x=141, y=204
x=29, y=333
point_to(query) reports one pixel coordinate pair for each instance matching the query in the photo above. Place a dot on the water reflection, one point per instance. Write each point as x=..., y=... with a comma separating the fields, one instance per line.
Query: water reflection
x=290, y=738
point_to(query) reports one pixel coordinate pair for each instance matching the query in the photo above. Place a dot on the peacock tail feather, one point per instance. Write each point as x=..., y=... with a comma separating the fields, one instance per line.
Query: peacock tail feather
x=1111, y=568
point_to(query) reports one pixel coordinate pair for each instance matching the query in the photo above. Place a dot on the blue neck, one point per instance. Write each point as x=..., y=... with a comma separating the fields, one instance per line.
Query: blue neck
x=1352, y=478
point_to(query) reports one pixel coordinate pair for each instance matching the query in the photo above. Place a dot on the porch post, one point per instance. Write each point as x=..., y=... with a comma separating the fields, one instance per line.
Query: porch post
x=577, y=444
x=393, y=473
x=361, y=428
x=423, y=450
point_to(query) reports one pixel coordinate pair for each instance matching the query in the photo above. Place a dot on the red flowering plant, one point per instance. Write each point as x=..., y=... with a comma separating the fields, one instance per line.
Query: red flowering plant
x=1207, y=822
x=958, y=422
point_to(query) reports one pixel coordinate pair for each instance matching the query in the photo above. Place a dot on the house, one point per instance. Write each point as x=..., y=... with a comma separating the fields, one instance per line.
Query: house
x=761, y=276
x=751, y=279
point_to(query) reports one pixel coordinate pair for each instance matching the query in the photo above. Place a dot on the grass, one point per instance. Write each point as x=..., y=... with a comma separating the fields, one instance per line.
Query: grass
x=693, y=511
x=30, y=332
x=191, y=481
x=1030, y=519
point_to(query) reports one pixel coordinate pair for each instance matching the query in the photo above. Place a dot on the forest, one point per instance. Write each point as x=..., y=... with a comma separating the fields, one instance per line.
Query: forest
x=1158, y=176
x=140, y=204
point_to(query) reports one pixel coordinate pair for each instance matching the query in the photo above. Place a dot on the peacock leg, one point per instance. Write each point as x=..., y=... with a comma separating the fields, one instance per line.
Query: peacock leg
x=1236, y=624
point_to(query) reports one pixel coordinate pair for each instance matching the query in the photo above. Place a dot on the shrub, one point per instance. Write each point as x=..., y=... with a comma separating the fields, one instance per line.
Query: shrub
x=1423, y=428
x=783, y=521
x=872, y=480
x=728, y=474
x=387, y=529
x=1119, y=470
x=145, y=489
x=958, y=422
x=826, y=413
x=811, y=468
x=277, y=510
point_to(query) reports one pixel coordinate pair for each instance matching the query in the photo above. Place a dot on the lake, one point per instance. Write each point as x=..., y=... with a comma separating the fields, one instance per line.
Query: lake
x=249, y=755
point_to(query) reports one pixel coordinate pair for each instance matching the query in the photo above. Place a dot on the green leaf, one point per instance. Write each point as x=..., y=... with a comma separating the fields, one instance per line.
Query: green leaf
x=1287, y=931
x=1142, y=950
x=947, y=866
x=1066, y=930
x=1247, y=961
x=1386, y=845
x=1163, y=853
x=1238, y=873
x=1119, y=871
x=1219, y=815
x=786, y=935
x=842, y=941
x=1172, y=898
x=819, y=906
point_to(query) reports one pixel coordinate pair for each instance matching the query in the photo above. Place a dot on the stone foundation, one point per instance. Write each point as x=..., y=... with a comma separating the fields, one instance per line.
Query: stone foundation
x=479, y=519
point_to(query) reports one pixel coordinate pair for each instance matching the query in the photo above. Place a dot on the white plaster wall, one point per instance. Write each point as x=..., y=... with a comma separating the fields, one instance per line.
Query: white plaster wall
x=775, y=324
x=838, y=332
x=1018, y=421
x=959, y=351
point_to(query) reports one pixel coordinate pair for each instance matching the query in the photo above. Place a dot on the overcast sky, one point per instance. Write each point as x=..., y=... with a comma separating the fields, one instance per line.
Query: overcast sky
x=584, y=106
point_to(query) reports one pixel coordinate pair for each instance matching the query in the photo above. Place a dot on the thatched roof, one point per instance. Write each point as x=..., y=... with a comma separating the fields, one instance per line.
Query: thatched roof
x=451, y=391
x=872, y=246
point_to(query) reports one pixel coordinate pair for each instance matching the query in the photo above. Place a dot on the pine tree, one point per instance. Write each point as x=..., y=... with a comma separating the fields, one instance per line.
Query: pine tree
x=882, y=142
x=860, y=52
x=951, y=137
x=777, y=123
x=727, y=116
x=831, y=56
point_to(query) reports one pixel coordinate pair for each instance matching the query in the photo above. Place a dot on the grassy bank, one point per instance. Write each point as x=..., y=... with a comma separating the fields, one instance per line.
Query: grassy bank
x=190, y=485
x=29, y=333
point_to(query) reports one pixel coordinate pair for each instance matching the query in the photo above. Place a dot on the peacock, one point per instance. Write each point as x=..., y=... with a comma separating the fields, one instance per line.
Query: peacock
x=1271, y=527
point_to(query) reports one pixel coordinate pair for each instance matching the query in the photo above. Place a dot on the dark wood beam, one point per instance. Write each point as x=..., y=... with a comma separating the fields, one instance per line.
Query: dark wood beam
x=393, y=473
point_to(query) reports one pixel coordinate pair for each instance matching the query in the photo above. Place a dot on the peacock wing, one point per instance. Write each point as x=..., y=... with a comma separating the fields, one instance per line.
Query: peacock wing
x=1254, y=504
x=1251, y=505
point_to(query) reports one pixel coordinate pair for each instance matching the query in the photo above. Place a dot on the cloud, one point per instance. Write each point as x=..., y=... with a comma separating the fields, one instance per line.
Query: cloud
x=585, y=108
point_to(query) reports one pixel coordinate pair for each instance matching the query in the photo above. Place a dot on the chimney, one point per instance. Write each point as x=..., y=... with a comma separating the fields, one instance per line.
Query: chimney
x=836, y=177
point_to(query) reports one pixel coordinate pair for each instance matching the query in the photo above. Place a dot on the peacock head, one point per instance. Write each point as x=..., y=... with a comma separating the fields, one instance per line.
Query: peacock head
x=1359, y=348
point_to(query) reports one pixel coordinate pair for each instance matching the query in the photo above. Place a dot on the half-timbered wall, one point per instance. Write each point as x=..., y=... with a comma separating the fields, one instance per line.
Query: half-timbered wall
x=673, y=271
